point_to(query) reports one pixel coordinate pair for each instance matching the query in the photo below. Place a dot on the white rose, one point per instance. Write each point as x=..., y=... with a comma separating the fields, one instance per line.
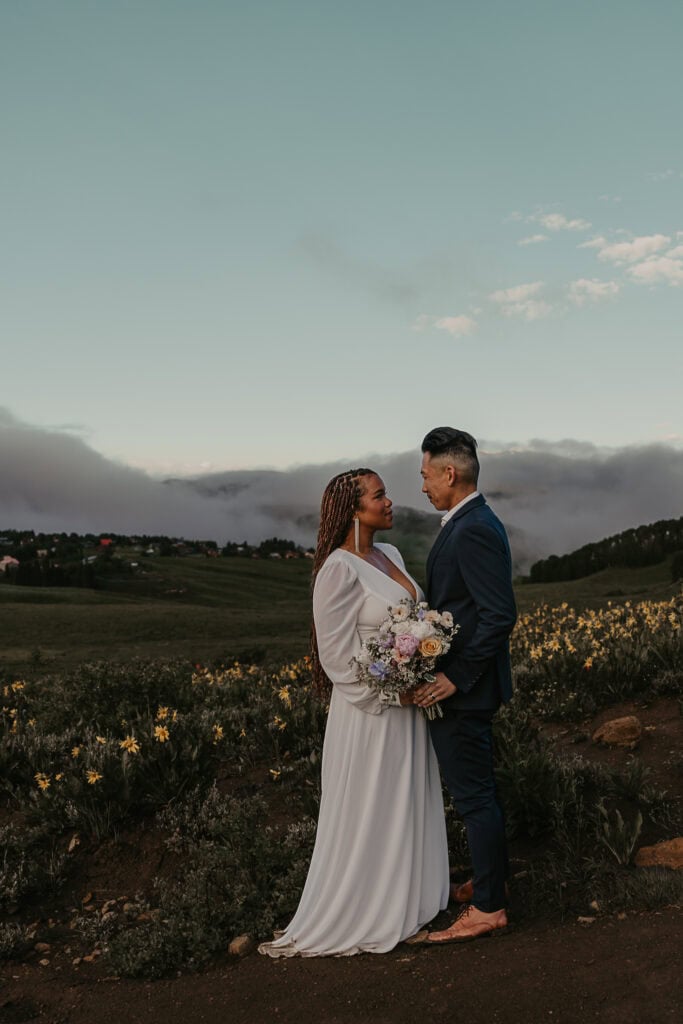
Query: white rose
x=399, y=612
x=422, y=629
x=401, y=627
x=447, y=619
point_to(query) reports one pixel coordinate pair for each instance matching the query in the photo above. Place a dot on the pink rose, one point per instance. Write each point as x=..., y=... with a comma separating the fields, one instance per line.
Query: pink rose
x=406, y=644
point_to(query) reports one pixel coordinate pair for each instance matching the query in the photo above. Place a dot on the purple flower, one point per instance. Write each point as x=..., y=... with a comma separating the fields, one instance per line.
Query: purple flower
x=378, y=669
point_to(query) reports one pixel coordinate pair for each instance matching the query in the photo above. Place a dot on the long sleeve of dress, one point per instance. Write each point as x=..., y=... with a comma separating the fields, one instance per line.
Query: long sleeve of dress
x=337, y=599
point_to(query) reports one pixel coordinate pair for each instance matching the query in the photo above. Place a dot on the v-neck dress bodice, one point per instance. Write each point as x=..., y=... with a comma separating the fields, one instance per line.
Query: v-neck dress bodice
x=379, y=869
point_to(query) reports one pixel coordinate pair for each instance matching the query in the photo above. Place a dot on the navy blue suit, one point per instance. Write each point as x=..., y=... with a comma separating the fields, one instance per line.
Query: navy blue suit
x=469, y=573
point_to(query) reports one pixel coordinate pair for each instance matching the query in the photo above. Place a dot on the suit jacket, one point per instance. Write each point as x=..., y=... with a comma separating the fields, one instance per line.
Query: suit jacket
x=469, y=573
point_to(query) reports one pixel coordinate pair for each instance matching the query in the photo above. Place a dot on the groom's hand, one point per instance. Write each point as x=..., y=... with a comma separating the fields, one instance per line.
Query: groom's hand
x=431, y=693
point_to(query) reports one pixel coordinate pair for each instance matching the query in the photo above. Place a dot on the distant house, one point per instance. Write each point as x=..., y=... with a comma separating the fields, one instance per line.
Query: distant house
x=7, y=562
x=106, y=542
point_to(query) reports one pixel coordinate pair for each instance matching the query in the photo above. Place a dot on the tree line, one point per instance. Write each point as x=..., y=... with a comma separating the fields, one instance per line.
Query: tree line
x=90, y=560
x=634, y=548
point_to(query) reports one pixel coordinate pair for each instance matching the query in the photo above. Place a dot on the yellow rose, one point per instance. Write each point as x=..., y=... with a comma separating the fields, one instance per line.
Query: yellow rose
x=431, y=647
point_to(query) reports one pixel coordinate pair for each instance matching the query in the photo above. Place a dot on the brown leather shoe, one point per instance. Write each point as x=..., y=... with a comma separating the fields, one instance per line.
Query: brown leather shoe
x=472, y=924
x=464, y=891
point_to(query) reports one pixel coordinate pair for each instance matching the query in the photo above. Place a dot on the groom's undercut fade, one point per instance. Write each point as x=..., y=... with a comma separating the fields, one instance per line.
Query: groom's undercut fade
x=458, y=445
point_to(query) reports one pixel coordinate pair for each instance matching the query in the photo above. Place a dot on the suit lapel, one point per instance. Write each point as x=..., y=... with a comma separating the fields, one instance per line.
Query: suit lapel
x=446, y=531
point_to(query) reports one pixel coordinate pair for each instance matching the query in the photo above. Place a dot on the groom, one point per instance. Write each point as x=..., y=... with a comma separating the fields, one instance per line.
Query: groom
x=469, y=574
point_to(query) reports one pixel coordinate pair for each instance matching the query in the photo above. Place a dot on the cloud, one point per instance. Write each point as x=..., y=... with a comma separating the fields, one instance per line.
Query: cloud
x=606, y=198
x=518, y=293
x=558, y=222
x=658, y=269
x=552, y=496
x=676, y=253
x=53, y=481
x=459, y=326
x=533, y=240
x=519, y=301
x=661, y=175
x=593, y=290
x=594, y=243
x=627, y=252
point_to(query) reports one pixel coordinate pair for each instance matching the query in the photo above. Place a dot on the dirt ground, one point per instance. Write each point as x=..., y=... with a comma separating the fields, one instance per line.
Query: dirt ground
x=613, y=971
x=620, y=969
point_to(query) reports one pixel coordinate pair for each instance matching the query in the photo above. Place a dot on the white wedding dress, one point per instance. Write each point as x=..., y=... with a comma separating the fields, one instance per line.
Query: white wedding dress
x=379, y=870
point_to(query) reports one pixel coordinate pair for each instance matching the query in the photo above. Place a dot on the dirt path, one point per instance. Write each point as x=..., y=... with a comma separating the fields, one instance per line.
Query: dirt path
x=614, y=971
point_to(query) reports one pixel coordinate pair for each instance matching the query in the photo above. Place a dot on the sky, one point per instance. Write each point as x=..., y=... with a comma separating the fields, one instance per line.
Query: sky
x=287, y=233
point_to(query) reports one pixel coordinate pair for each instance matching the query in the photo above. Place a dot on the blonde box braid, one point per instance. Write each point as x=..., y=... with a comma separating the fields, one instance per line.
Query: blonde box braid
x=341, y=498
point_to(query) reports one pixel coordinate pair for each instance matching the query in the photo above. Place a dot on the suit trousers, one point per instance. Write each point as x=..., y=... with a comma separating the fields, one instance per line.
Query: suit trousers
x=463, y=741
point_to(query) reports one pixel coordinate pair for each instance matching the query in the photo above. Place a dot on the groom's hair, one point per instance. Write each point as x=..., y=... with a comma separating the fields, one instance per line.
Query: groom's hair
x=458, y=445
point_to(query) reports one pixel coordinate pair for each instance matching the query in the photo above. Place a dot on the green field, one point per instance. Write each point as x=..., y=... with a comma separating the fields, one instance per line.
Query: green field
x=217, y=609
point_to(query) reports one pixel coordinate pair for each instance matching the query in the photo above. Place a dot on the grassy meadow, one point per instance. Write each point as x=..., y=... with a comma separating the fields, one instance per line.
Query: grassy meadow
x=208, y=610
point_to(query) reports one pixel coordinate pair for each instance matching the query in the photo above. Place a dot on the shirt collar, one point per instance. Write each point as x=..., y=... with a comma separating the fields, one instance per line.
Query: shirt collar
x=451, y=512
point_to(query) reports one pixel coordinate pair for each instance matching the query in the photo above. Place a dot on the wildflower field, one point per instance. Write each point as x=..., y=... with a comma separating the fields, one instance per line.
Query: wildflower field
x=222, y=762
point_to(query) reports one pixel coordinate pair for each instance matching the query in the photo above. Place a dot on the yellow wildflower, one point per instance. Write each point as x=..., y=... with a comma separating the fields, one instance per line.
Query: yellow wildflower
x=43, y=780
x=59, y=776
x=18, y=686
x=162, y=713
x=92, y=777
x=217, y=733
x=285, y=696
x=31, y=722
x=588, y=663
x=161, y=733
x=243, y=733
x=130, y=744
x=278, y=722
x=275, y=773
x=75, y=751
x=101, y=740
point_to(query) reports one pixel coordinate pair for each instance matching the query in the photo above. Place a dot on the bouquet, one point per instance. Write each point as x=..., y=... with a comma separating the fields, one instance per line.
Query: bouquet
x=403, y=652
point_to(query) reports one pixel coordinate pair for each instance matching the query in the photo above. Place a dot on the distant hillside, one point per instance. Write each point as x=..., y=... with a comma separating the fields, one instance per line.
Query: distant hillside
x=644, y=545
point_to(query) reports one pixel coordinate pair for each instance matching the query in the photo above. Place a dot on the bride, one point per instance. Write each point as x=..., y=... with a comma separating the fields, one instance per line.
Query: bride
x=379, y=870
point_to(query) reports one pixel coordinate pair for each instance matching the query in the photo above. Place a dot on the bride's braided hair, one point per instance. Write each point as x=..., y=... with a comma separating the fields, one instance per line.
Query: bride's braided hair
x=340, y=500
